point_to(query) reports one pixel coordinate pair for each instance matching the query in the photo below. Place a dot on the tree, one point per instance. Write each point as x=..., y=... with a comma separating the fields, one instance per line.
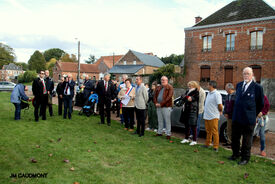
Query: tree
x=6, y=55
x=67, y=58
x=28, y=76
x=50, y=65
x=167, y=70
x=37, y=62
x=53, y=53
x=91, y=59
x=173, y=59
x=25, y=66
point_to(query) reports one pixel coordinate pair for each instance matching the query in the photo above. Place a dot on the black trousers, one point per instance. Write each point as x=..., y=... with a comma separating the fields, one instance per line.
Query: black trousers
x=68, y=108
x=246, y=131
x=60, y=104
x=140, y=115
x=107, y=103
x=40, y=103
x=128, y=114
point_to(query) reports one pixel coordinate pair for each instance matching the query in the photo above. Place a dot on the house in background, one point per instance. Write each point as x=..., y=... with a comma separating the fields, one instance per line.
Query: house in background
x=240, y=34
x=105, y=63
x=135, y=63
x=64, y=68
x=10, y=72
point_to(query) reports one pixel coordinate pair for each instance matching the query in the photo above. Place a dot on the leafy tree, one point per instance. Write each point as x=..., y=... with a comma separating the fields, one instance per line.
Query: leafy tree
x=28, y=76
x=50, y=65
x=91, y=59
x=37, y=62
x=53, y=53
x=25, y=66
x=68, y=58
x=6, y=55
x=167, y=70
x=173, y=59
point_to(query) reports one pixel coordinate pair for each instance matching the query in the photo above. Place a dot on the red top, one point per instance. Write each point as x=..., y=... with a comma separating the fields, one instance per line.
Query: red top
x=266, y=106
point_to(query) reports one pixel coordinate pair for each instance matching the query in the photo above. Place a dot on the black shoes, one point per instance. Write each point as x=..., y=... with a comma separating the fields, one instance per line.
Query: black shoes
x=233, y=157
x=243, y=162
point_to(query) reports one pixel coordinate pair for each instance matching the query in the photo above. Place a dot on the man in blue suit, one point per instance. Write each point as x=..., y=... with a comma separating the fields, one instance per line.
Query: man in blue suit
x=68, y=94
x=248, y=104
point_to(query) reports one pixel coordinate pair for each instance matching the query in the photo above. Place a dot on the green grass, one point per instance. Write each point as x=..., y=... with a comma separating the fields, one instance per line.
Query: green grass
x=116, y=156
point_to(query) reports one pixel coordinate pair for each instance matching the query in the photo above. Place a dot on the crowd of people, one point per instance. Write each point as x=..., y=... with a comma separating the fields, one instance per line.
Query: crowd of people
x=243, y=108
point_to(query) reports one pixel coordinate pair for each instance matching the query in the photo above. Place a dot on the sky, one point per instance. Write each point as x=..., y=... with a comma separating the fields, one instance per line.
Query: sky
x=103, y=27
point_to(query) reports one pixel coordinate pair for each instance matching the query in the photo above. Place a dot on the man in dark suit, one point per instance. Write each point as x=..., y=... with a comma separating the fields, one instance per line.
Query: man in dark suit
x=248, y=104
x=68, y=94
x=88, y=86
x=59, y=91
x=40, y=93
x=49, y=87
x=106, y=95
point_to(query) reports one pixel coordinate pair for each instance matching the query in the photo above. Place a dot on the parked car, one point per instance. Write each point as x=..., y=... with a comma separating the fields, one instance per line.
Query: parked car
x=6, y=86
x=176, y=112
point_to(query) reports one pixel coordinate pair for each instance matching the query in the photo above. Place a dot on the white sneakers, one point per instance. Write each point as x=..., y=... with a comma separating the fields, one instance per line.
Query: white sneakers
x=184, y=141
x=187, y=141
x=193, y=143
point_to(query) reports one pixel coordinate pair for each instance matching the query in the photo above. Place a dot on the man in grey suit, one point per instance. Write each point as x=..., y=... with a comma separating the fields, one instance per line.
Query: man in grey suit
x=249, y=102
x=140, y=104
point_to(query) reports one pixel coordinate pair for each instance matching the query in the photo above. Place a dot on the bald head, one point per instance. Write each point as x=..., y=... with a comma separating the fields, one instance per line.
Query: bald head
x=247, y=74
x=164, y=80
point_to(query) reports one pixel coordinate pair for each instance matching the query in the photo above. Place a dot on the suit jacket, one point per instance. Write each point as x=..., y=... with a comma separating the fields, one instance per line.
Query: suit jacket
x=89, y=87
x=49, y=84
x=248, y=105
x=71, y=85
x=37, y=87
x=103, y=94
x=59, y=88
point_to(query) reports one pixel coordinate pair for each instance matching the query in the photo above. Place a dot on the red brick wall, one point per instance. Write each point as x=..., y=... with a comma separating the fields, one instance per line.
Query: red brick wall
x=241, y=57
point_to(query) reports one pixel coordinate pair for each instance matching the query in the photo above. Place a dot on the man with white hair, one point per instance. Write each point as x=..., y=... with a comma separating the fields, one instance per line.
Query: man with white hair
x=163, y=101
x=88, y=87
x=248, y=104
x=68, y=94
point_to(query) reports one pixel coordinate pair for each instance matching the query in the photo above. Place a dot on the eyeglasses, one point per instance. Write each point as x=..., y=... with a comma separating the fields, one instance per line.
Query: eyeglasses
x=42, y=73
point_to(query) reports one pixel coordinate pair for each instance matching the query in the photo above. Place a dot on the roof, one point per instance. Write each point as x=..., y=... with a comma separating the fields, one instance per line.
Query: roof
x=73, y=67
x=108, y=60
x=125, y=69
x=11, y=66
x=239, y=10
x=148, y=60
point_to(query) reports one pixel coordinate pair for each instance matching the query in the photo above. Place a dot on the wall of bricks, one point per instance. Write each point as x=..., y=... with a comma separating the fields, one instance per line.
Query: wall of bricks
x=240, y=58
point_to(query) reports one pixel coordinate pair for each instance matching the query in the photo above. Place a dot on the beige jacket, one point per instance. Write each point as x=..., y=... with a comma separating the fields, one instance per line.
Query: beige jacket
x=201, y=100
x=132, y=94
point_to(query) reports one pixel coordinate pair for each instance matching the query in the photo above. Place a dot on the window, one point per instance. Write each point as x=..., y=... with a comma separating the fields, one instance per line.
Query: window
x=207, y=43
x=256, y=40
x=205, y=73
x=230, y=42
x=125, y=62
x=257, y=70
x=134, y=62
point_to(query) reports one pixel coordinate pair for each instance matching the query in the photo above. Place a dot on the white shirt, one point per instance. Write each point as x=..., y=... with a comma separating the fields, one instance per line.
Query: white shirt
x=68, y=91
x=211, y=111
x=247, y=85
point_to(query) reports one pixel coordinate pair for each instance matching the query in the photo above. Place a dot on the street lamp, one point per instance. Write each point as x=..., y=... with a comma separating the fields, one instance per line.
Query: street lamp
x=78, y=60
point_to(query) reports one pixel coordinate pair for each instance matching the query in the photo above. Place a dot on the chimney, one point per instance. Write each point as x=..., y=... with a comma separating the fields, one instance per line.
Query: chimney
x=197, y=19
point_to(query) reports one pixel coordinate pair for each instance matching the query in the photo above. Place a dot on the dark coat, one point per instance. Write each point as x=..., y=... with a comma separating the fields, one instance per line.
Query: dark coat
x=37, y=87
x=190, y=113
x=71, y=85
x=229, y=104
x=89, y=87
x=59, y=88
x=248, y=105
x=103, y=94
x=49, y=84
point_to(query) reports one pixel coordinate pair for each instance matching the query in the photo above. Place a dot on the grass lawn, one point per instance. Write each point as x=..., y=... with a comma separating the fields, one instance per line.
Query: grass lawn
x=114, y=156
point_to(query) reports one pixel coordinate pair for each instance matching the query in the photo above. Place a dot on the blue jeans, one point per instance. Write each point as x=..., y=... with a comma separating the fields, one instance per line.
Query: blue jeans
x=262, y=133
x=17, y=111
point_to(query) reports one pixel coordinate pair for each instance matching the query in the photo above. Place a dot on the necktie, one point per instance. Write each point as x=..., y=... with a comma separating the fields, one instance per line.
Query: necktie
x=66, y=90
x=105, y=86
x=44, y=87
x=243, y=89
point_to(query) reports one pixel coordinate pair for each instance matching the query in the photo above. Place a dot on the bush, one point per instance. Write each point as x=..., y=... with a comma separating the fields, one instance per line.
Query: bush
x=28, y=76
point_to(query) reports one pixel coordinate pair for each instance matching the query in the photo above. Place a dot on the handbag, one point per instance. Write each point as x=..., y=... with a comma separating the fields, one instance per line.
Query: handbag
x=50, y=101
x=24, y=104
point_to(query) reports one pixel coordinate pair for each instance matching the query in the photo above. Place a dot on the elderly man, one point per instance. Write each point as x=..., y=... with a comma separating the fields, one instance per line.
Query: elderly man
x=50, y=88
x=88, y=86
x=248, y=104
x=140, y=104
x=40, y=93
x=228, y=110
x=212, y=110
x=106, y=95
x=163, y=101
x=68, y=94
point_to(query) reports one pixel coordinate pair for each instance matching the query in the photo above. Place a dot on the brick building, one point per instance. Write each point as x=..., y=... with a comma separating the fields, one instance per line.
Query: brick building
x=64, y=68
x=135, y=63
x=240, y=34
x=10, y=72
